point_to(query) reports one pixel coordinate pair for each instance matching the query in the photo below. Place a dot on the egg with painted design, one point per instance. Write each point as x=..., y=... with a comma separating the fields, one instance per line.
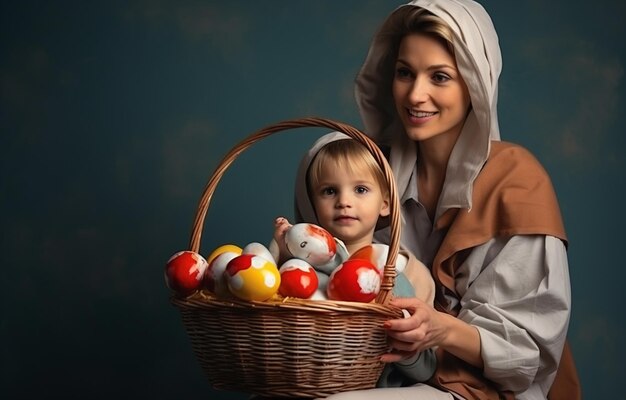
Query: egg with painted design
x=354, y=280
x=214, y=279
x=233, y=248
x=258, y=249
x=297, y=279
x=184, y=272
x=252, y=278
x=311, y=243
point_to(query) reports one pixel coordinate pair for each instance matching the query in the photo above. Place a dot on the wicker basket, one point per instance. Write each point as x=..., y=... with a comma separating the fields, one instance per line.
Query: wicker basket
x=291, y=347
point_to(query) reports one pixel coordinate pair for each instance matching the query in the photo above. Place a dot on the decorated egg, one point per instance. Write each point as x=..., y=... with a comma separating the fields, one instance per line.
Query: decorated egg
x=354, y=280
x=311, y=243
x=214, y=279
x=184, y=272
x=377, y=254
x=322, y=283
x=341, y=255
x=298, y=278
x=274, y=249
x=260, y=250
x=221, y=249
x=251, y=277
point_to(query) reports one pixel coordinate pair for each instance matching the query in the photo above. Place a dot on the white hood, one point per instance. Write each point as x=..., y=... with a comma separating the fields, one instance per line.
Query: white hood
x=479, y=61
x=304, y=211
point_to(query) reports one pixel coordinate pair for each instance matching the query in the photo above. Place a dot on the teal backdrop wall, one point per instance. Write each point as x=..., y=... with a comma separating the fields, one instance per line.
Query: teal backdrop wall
x=114, y=114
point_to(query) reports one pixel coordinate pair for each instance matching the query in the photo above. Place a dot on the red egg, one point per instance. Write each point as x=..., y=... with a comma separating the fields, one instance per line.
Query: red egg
x=297, y=279
x=184, y=272
x=354, y=280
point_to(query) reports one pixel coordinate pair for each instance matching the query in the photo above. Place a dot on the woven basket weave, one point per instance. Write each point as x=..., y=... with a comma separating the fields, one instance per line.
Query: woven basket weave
x=291, y=347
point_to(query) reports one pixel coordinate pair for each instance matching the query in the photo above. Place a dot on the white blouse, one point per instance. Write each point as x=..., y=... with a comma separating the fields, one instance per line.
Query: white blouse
x=514, y=290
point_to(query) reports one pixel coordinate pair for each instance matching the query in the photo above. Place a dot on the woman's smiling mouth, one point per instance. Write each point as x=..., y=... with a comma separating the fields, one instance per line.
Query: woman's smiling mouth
x=421, y=114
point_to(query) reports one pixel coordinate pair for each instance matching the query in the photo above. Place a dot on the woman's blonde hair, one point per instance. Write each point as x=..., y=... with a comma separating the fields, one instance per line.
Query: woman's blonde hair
x=408, y=20
x=347, y=155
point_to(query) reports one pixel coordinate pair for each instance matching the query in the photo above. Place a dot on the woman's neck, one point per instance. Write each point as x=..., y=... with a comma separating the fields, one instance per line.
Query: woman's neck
x=433, y=156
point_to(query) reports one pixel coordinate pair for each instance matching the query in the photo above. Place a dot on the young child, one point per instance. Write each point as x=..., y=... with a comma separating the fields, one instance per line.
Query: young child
x=340, y=187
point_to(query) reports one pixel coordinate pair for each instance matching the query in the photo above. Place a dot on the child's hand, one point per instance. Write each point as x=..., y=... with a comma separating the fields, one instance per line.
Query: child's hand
x=281, y=226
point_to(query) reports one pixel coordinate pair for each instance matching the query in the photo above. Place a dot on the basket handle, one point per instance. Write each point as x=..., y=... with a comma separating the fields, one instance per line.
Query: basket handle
x=389, y=271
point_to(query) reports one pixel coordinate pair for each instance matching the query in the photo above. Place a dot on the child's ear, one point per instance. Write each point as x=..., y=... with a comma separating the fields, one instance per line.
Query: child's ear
x=385, y=210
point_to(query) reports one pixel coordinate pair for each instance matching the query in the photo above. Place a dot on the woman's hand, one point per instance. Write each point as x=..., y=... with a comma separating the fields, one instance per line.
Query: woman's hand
x=423, y=329
x=426, y=328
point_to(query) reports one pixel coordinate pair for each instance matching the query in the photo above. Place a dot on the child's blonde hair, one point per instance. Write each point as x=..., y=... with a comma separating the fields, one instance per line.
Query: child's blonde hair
x=348, y=155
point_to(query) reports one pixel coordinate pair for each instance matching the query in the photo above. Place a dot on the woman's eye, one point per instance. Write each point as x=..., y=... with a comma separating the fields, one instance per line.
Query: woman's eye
x=440, y=77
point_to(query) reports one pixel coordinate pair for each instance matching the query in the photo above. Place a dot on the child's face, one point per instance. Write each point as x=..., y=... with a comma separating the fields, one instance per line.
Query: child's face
x=348, y=205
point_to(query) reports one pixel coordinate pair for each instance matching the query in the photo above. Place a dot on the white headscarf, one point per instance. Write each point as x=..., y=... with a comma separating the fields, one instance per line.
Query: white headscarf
x=303, y=206
x=479, y=62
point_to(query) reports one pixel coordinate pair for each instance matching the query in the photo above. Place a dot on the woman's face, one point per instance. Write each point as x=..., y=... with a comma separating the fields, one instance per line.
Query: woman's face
x=430, y=95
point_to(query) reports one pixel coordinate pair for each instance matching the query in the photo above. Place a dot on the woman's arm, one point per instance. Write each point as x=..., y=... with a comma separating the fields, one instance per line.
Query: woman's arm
x=513, y=316
x=427, y=328
x=516, y=292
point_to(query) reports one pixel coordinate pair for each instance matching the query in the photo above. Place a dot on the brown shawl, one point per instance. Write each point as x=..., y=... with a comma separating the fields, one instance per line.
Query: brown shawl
x=512, y=195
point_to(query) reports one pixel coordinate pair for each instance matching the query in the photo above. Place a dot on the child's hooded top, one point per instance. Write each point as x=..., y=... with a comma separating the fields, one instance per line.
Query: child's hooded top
x=414, y=281
x=504, y=270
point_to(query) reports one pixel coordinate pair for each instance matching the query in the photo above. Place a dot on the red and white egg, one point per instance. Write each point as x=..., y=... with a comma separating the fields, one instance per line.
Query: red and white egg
x=298, y=278
x=354, y=280
x=184, y=272
x=260, y=250
x=214, y=279
x=252, y=278
x=311, y=243
x=320, y=293
x=341, y=255
x=377, y=254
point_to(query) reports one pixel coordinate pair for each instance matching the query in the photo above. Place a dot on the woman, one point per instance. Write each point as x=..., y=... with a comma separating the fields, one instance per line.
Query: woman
x=480, y=213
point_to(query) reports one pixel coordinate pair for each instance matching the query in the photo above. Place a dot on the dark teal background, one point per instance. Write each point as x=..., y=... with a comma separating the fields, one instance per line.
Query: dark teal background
x=114, y=114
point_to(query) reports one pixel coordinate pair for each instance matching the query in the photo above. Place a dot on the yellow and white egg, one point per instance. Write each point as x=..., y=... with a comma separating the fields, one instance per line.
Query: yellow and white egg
x=252, y=278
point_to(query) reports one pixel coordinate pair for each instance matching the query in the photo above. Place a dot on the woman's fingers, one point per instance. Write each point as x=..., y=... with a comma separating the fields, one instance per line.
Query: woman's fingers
x=417, y=315
x=397, y=356
x=414, y=333
x=408, y=303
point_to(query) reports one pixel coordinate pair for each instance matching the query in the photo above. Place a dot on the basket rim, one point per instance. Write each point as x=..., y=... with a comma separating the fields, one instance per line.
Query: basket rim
x=203, y=298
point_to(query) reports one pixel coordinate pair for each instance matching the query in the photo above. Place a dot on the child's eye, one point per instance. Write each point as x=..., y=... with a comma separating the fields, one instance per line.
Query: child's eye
x=361, y=189
x=403, y=73
x=440, y=77
x=328, y=191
